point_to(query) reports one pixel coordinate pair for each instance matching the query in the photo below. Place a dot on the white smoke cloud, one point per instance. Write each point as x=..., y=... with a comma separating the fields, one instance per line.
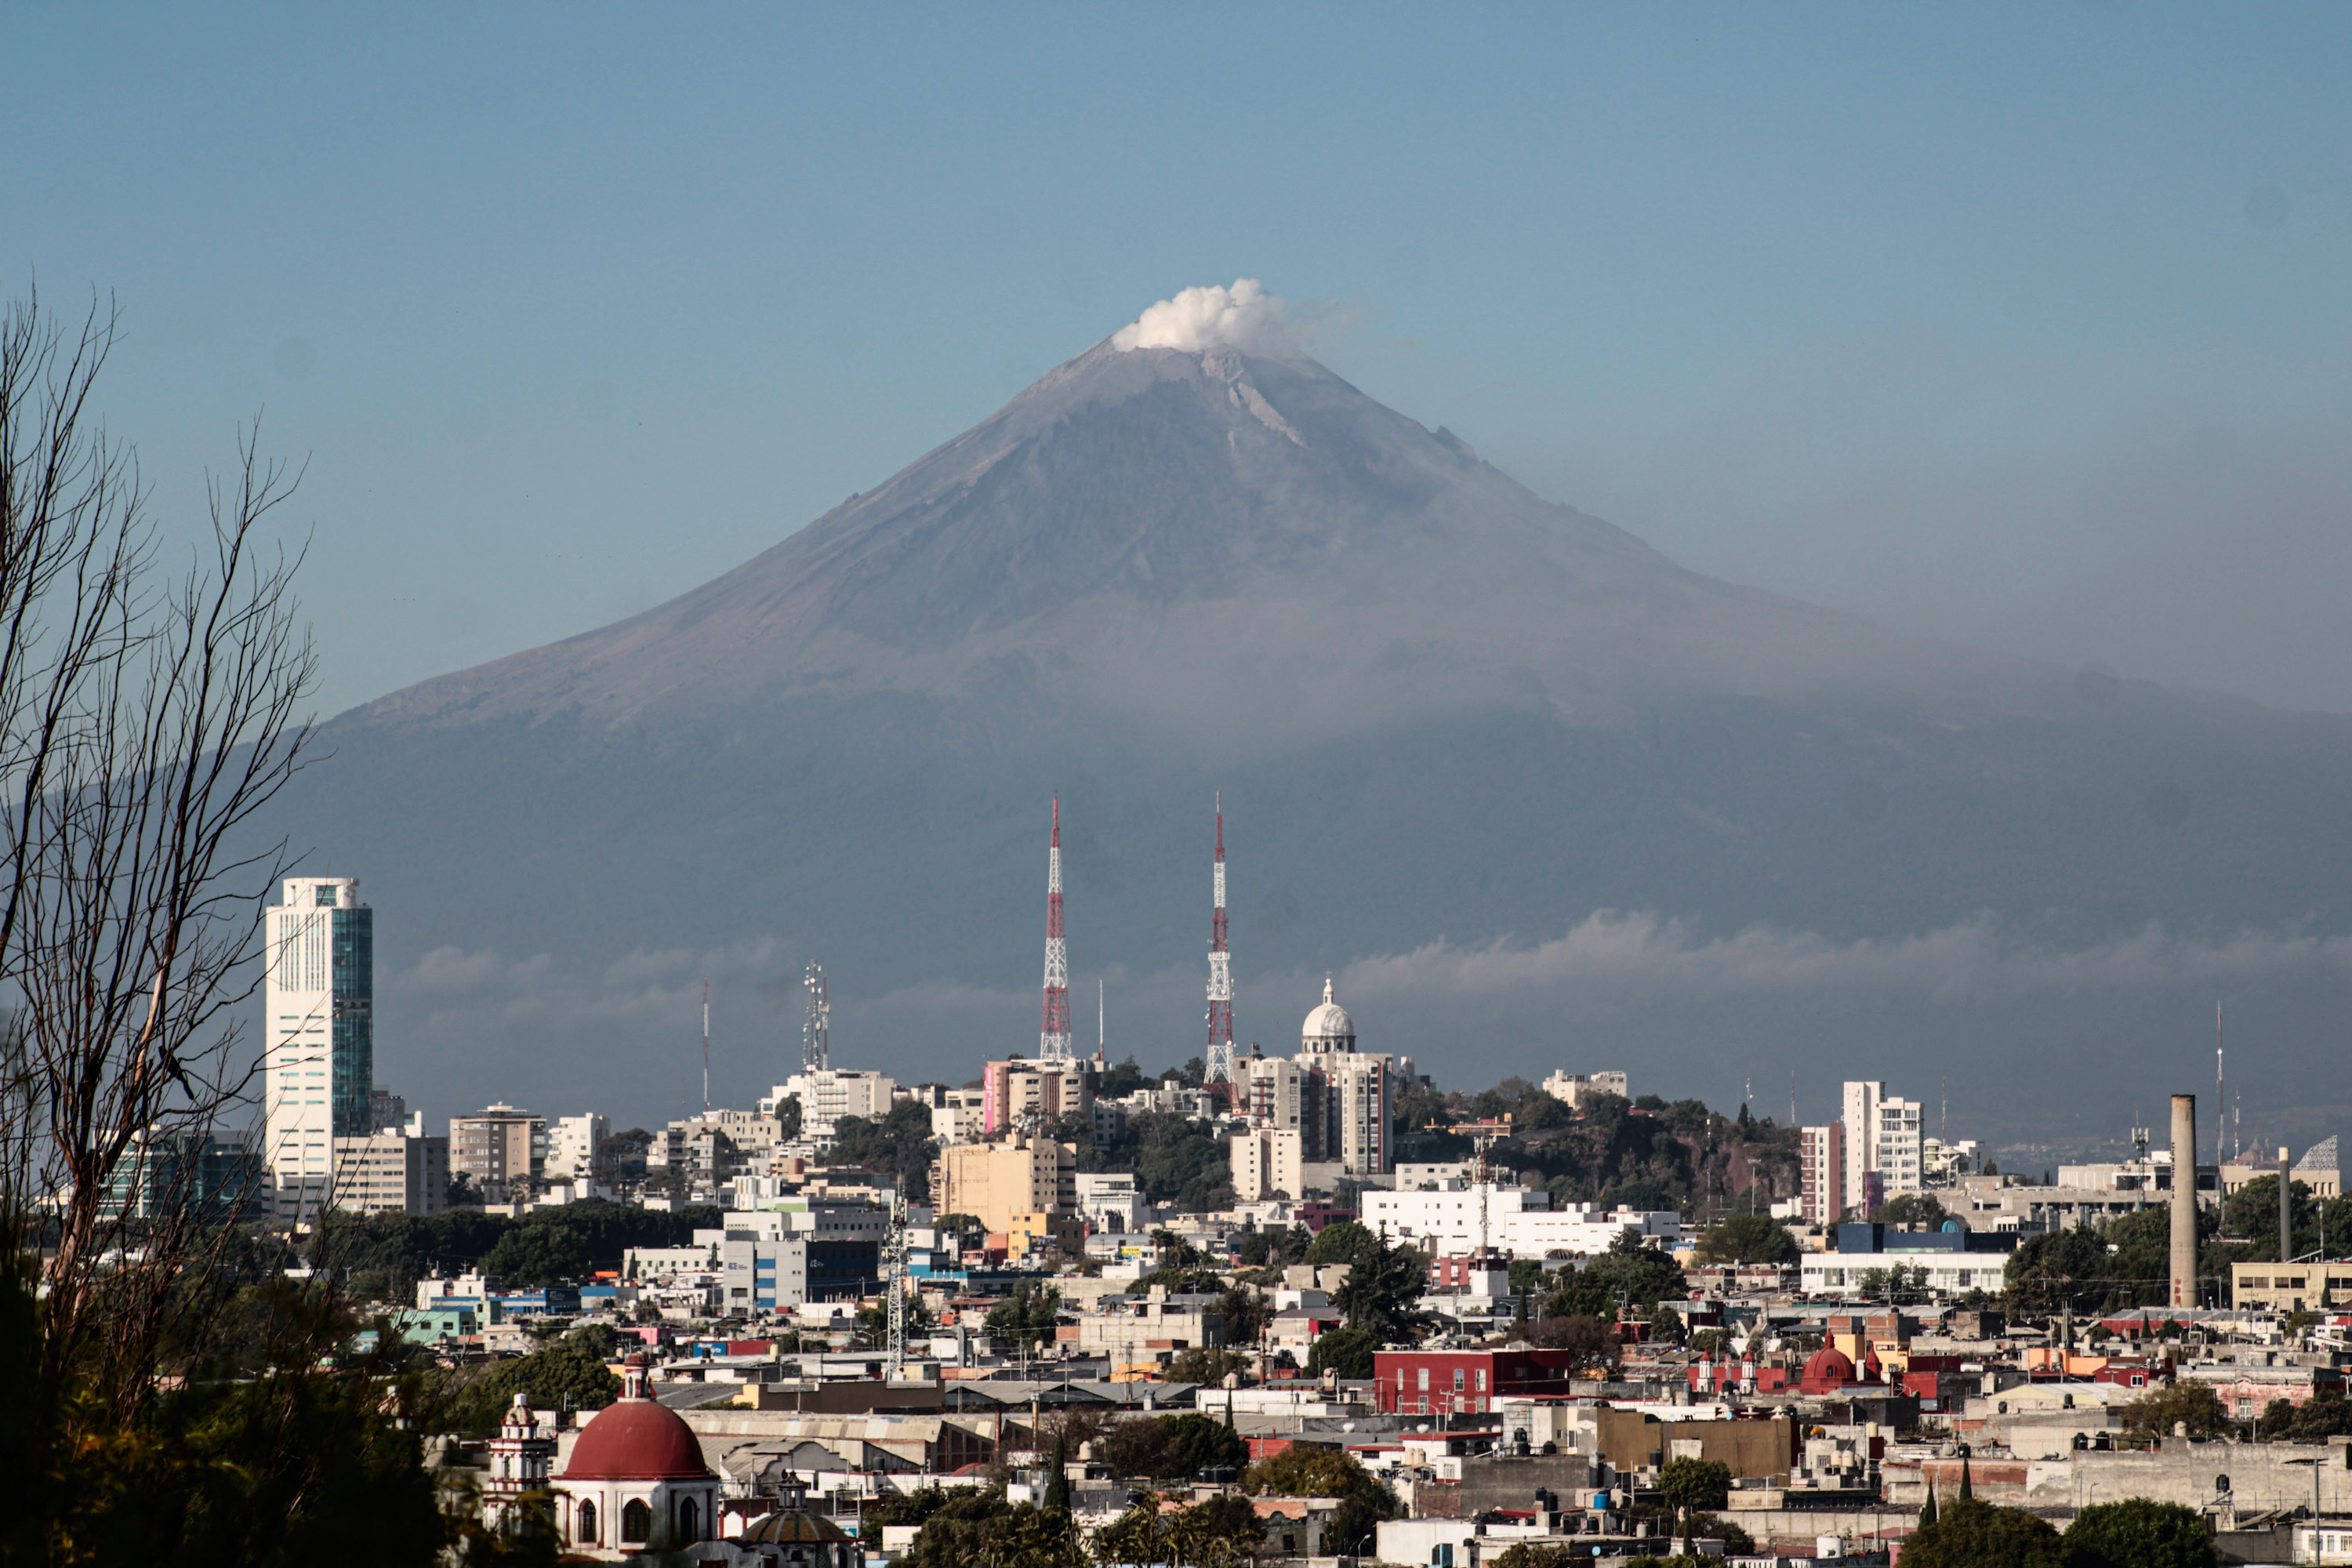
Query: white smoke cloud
x=1244, y=317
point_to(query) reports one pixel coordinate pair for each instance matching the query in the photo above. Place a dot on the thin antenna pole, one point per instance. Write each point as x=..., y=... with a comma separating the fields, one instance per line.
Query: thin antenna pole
x=705, y=1045
x=2221, y=1094
x=1053, y=1034
x=1099, y=1016
x=1793, y=1099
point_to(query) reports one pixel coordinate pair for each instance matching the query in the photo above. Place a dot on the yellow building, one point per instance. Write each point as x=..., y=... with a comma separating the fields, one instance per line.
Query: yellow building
x=1022, y=1179
x=2290, y=1287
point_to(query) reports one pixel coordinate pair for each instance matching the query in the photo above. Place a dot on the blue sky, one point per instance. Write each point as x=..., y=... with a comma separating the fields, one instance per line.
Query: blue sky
x=2024, y=325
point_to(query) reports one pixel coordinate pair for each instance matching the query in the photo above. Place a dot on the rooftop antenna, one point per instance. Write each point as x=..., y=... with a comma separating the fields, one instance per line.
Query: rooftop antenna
x=816, y=1025
x=1944, y=1110
x=1054, y=1034
x=1099, y=1036
x=705, y=1045
x=1220, y=1059
x=2221, y=1094
x=1792, y=1097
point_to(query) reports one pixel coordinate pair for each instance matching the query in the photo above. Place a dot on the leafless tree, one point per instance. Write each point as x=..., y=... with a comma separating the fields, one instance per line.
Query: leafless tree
x=151, y=705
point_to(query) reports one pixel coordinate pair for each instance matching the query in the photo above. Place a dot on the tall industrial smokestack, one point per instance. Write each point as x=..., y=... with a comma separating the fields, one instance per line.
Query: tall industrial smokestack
x=2184, y=1200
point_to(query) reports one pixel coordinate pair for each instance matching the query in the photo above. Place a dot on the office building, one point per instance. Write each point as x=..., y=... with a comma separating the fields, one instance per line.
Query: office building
x=1266, y=1164
x=219, y=1178
x=317, y=1036
x=397, y=1172
x=1822, y=1157
x=828, y=1094
x=572, y=1146
x=503, y=1150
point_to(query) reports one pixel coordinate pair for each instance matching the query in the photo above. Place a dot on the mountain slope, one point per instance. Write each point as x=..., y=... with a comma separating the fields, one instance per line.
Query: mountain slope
x=1439, y=707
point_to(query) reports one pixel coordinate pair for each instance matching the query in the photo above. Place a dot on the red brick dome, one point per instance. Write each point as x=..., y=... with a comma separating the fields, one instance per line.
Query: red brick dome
x=1828, y=1369
x=637, y=1439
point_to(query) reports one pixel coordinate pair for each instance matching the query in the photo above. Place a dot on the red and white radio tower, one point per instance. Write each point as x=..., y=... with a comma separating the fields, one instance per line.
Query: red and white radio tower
x=1054, y=1039
x=1220, y=972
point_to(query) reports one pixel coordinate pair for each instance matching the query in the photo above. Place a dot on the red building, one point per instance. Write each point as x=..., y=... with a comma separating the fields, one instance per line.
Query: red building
x=1432, y=1382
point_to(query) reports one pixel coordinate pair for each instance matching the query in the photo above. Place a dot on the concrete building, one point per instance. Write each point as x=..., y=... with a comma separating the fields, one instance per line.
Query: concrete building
x=2305, y=1284
x=218, y=1177
x=503, y=1150
x=1883, y=1151
x=776, y=1273
x=1821, y=1151
x=572, y=1142
x=1574, y=1088
x=1111, y=1202
x=828, y=1094
x=1133, y=1330
x=1517, y=1220
x=1002, y=1184
x=1266, y=1164
x=1019, y=1095
x=398, y=1172
x=317, y=1036
x=1335, y=1097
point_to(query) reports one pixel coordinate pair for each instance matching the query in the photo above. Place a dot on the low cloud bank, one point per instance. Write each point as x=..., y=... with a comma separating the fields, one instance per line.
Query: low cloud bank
x=1974, y=961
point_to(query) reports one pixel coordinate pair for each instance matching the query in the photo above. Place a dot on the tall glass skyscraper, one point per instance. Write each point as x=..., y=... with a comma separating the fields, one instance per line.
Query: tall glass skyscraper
x=319, y=1032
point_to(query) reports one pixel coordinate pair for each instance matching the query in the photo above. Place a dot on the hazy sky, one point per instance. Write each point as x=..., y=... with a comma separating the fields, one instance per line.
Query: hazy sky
x=2024, y=325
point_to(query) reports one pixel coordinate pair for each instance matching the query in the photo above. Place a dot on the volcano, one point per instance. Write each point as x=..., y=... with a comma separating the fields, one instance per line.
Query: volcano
x=1439, y=707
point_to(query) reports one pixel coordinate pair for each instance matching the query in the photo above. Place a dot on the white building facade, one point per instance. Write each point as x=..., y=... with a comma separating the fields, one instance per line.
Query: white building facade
x=1517, y=1220
x=318, y=1037
x=572, y=1146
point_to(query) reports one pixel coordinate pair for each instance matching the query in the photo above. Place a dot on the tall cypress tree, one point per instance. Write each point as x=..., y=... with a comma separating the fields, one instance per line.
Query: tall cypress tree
x=1927, y=1508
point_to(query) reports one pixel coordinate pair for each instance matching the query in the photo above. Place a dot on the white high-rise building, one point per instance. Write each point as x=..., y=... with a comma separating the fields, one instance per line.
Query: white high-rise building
x=317, y=1037
x=572, y=1146
x=1900, y=1154
x=1883, y=1146
x=1823, y=1154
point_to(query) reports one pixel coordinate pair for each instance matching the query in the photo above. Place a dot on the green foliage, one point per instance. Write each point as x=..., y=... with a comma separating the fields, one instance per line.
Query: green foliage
x=980, y=1529
x=1629, y=1274
x=2139, y=1533
x=571, y=1375
x=1313, y=1469
x=2326, y=1415
x=899, y=1145
x=1202, y=1363
x=1221, y=1531
x=1171, y=1448
x=1342, y=1241
x=1347, y=1352
x=399, y=1250
x=1588, y=1339
x=788, y=1118
x=1274, y=1248
x=1746, y=1238
x=1123, y=1079
x=271, y=1457
x=1702, y=1484
x=1174, y=1160
x=1972, y=1534
x=1182, y=1282
x=1911, y=1211
x=530, y=1255
x=1029, y=1313
x=1383, y=1283
x=2154, y=1414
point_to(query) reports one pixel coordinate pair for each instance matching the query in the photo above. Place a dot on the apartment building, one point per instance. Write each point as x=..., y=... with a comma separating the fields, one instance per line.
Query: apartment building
x=572, y=1147
x=828, y=1094
x=1018, y=1094
x=1574, y=1088
x=503, y=1150
x=999, y=1183
x=1266, y=1162
x=1821, y=1155
x=399, y=1171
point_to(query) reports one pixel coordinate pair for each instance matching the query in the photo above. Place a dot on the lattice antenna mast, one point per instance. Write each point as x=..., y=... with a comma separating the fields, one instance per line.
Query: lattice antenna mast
x=1221, y=970
x=1053, y=1036
x=897, y=1266
x=817, y=1025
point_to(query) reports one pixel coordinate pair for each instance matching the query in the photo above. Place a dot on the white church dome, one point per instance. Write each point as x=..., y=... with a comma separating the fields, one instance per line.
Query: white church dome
x=1327, y=1027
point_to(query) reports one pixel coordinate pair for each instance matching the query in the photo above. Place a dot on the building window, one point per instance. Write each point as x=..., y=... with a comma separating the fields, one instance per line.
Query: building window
x=587, y=1533
x=326, y=898
x=1425, y=1380
x=1457, y=1380
x=689, y=1523
x=637, y=1520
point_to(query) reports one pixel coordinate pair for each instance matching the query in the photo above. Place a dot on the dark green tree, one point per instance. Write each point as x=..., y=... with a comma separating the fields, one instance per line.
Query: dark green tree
x=1383, y=1283
x=2194, y=1405
x=1701, y=1484
x=1171, y=1448
x=1342, y=1241
x=569, y=1375
x=1972, y=1534
x=1345, y=1351
x=1746, y=1238
x=2139, y=1533
x=1911, y=1211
